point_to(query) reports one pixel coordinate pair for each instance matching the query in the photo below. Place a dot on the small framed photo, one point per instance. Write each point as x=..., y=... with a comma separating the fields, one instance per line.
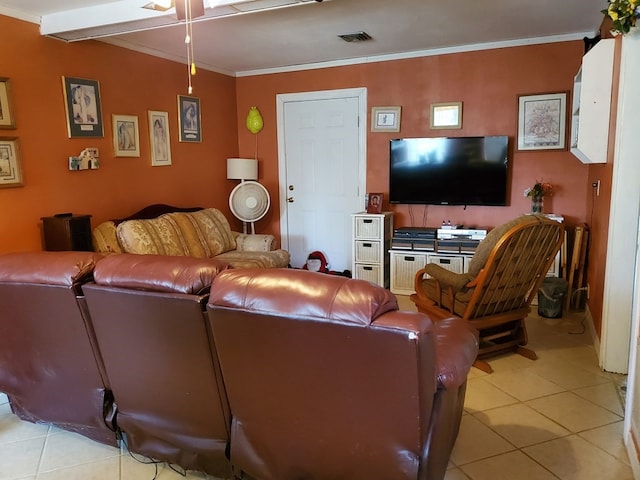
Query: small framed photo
x=159, y=138
x=10, y=168
x=446, y=115
x=542, y=121
x=126, y=138
x=82, y=104
x=374, y=202
x=189, y=119
x=385, y=119
x=6, y=112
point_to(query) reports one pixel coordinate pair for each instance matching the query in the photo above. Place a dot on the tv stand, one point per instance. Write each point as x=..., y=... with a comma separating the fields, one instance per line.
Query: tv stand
x=406, y=263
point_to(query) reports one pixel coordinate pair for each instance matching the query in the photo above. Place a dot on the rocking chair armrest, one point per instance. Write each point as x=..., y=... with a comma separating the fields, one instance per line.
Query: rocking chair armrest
x=447, y=278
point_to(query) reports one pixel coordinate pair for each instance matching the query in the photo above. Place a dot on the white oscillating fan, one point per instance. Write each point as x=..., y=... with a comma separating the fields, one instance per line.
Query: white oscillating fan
x=249, y=202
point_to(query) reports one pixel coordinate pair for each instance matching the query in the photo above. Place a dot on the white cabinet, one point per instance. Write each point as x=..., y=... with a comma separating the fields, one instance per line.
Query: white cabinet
x=372, y=234
x=591, y=106
x=406, y=263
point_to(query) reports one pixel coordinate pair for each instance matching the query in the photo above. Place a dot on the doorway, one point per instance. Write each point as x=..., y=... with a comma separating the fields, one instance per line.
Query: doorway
x=322, y=172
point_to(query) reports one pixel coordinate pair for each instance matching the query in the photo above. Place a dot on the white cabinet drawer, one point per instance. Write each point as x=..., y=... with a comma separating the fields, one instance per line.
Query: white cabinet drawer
x=370, y=273
x=368, y=227
x=368, y=251
x=403, y=271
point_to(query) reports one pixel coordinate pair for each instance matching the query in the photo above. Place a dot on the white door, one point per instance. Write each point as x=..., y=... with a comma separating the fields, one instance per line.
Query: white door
x=321, y=137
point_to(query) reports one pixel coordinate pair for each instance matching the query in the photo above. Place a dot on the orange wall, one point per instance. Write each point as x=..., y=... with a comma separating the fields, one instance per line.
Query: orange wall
x=487, y=82
x=130, y=83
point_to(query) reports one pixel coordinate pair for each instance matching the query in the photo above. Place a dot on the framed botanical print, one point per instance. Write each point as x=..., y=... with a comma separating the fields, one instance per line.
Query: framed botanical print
x=385, y=119
x=189, y=119
x=82, y=104
x=542, y=121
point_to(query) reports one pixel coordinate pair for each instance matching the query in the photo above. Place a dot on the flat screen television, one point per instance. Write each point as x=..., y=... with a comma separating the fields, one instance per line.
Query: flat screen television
x=449, y=170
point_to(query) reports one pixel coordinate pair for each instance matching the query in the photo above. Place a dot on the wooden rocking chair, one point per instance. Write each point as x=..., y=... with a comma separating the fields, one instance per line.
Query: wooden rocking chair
x=496, y=293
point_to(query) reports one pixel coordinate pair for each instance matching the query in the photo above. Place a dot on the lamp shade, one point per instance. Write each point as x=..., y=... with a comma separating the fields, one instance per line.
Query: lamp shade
x=242, y=169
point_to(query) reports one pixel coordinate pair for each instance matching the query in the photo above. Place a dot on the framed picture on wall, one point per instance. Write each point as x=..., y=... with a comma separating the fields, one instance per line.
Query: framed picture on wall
x=6, y=112
x=446, y=115
x=385, y=119
x=10, y=168
x=159, y=138
x=189, y=119
x=542, y=121
x=126, y=138
x=83, y=108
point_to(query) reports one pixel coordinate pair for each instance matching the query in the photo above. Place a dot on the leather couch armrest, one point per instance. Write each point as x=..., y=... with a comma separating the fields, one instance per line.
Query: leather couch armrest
x=254, y=242
x=456, y=350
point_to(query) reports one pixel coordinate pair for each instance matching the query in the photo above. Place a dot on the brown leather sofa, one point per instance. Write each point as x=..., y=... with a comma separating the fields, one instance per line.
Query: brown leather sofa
x=268, y=373
x=149, y=315
x=327, y=379
x=49, y=365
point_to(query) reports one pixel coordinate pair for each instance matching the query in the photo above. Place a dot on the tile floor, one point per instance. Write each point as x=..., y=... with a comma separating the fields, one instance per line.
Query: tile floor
x=559, y=417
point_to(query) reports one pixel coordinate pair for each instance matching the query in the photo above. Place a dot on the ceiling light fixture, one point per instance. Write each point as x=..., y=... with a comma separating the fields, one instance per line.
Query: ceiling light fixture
x=187, y=10
x=188, y=40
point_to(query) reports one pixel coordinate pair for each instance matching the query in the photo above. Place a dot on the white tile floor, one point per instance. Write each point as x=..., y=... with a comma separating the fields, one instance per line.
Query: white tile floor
x=558, y=417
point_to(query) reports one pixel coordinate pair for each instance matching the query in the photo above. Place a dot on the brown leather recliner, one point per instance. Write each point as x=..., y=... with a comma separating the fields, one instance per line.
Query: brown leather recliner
x=149, y=317
x=49, y=366
x=327, y=379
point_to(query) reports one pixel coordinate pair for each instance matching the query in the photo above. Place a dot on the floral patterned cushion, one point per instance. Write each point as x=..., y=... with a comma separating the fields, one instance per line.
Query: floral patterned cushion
x=202, y=234
x=104, y=238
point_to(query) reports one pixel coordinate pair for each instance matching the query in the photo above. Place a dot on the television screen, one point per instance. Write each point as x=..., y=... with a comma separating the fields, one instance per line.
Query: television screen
x=449, y=171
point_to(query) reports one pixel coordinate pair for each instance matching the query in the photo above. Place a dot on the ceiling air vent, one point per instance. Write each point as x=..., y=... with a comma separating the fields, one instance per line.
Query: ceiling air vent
x=355, y=37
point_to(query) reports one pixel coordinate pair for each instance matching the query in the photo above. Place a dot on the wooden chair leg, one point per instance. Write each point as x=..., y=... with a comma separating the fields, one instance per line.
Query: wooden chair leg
x=526, y=352
x=483, y=365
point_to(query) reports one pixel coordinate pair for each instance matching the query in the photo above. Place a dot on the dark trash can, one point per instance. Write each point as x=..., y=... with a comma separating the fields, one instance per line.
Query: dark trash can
x=551, y=297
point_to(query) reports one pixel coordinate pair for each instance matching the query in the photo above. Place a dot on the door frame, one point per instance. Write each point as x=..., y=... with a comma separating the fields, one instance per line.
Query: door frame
x=284, y=98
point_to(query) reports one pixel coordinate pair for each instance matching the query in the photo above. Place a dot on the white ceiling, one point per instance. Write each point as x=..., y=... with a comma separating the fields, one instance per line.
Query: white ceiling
x=305, y=34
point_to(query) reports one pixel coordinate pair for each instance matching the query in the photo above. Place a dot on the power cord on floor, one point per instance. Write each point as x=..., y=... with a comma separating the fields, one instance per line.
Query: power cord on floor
x=150, y=461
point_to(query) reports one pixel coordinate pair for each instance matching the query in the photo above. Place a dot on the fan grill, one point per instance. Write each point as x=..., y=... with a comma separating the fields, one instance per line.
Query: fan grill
x=249, y=201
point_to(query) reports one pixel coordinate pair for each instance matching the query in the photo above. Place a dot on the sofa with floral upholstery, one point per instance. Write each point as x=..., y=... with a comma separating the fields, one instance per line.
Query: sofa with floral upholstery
x=200, y=233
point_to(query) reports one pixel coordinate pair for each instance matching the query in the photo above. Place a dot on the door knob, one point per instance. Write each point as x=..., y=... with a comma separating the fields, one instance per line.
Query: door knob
x=290, y=200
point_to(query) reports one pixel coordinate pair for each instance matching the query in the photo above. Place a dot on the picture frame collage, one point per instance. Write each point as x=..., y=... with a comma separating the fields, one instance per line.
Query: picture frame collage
x=84, y=118
x=541, y=122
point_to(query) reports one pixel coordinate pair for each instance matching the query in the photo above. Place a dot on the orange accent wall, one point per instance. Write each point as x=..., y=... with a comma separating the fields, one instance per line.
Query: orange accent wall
x=130, y=83
x=487, y=82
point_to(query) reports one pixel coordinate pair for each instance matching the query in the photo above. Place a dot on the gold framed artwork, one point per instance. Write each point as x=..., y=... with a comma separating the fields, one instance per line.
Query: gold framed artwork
x=159, y=138
x=7, y=121
x=385, y=119
x=126, y=137
x=542, y=121
x=446, y=115
x=189, y=119
x=83, y=108
x=10, y=167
